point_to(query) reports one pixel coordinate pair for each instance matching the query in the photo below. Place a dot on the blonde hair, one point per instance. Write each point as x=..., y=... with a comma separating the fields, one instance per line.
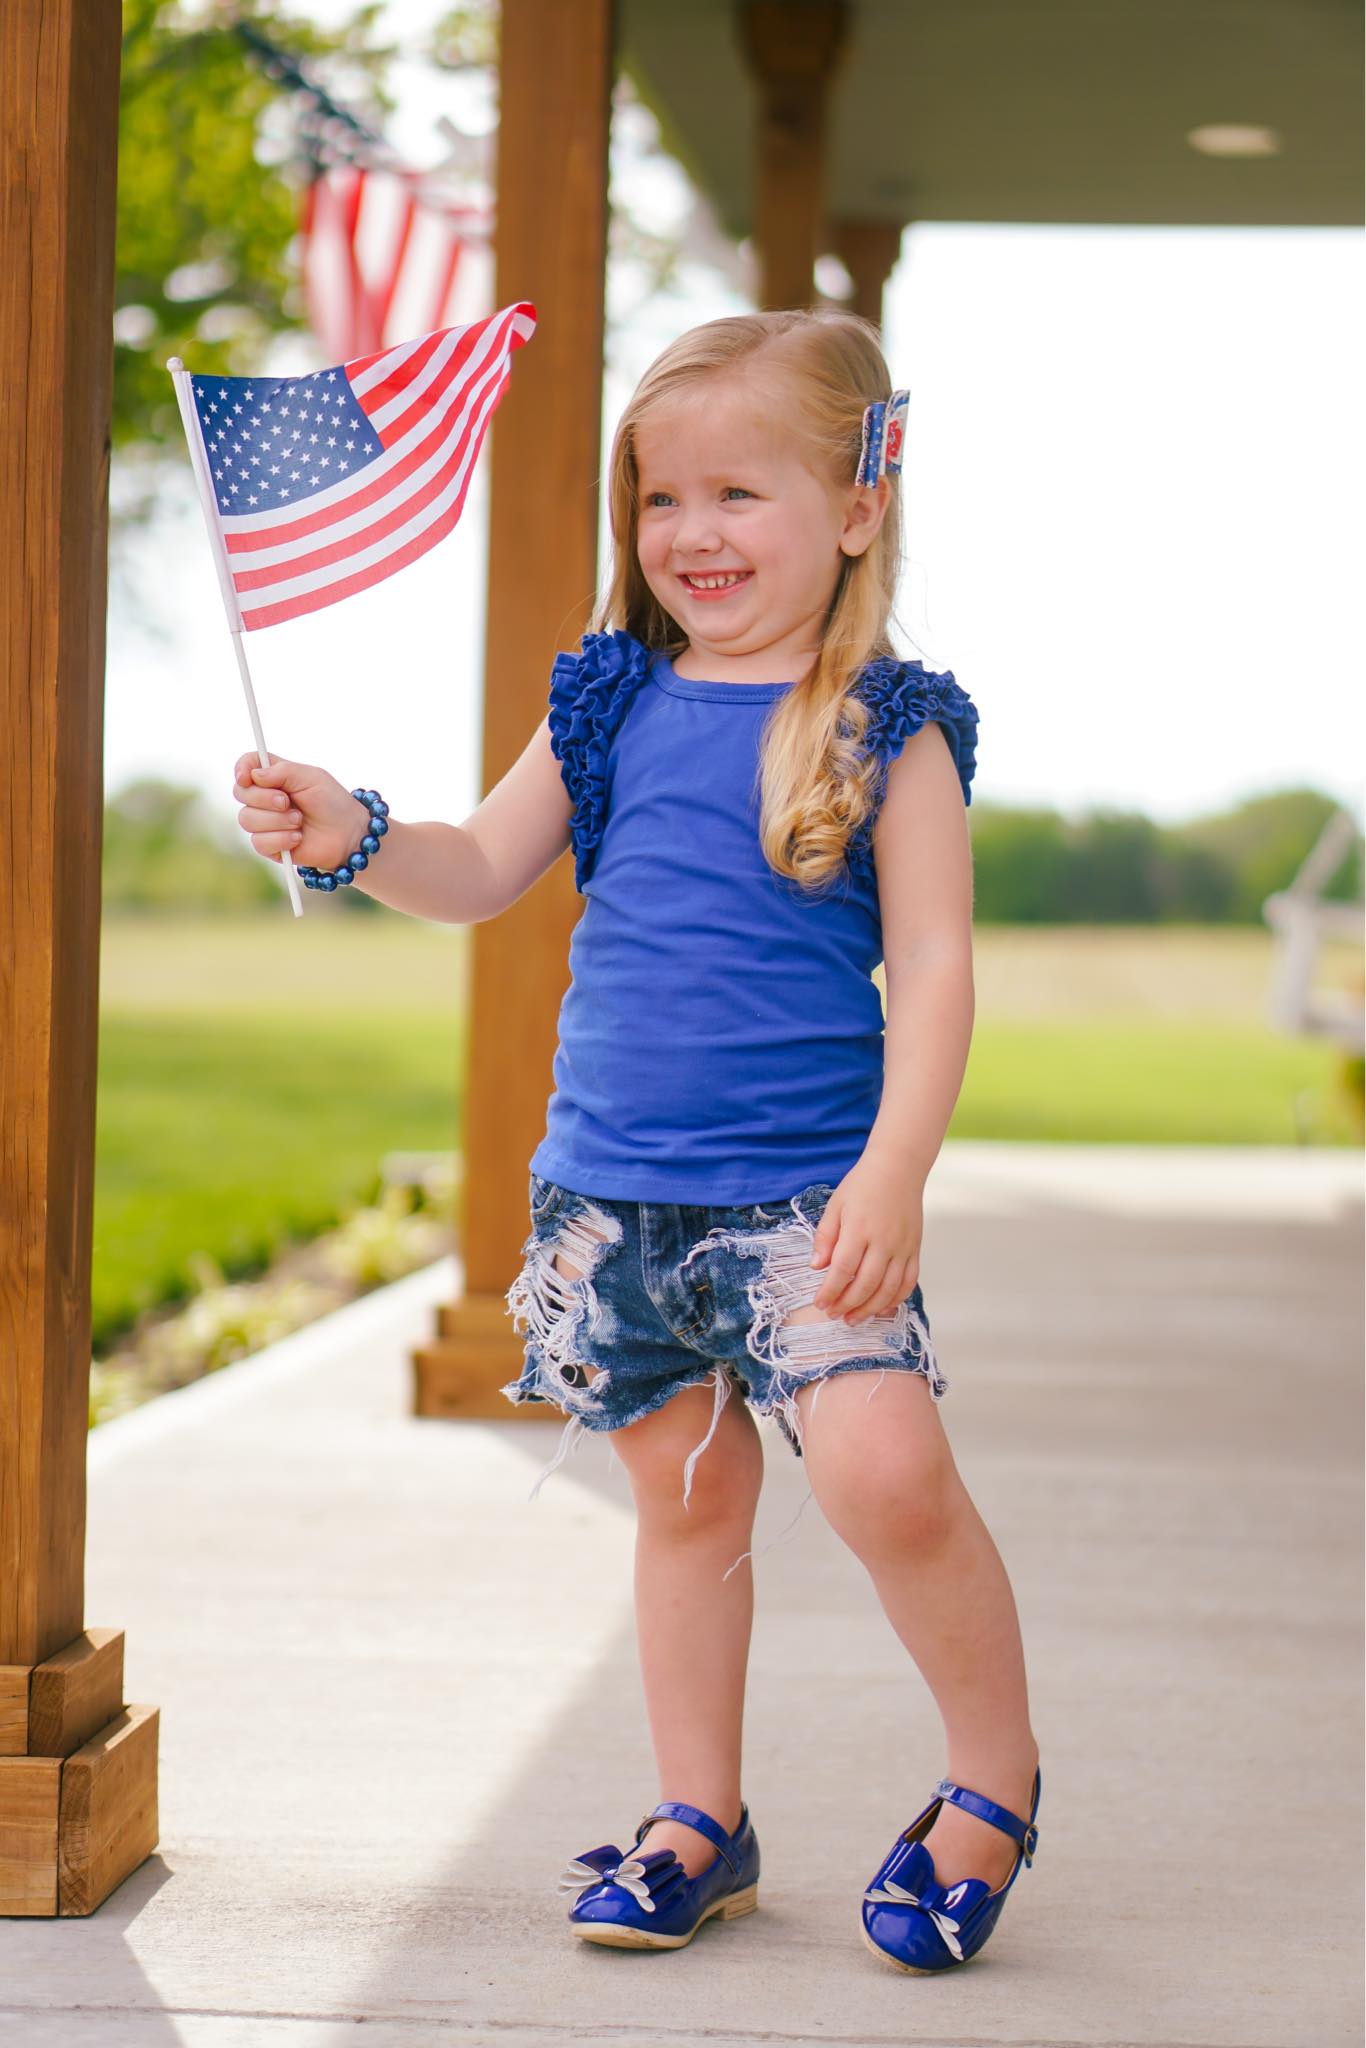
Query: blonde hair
x=818, y=786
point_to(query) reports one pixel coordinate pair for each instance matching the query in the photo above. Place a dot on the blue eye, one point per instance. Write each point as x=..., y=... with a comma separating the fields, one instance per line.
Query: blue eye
x=651, y=498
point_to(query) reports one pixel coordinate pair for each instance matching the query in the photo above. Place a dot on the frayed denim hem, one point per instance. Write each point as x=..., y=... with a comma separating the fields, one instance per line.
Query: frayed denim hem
x=569, y=1329
x=787, y=1414
x=579, y=1422
x=798, y=1353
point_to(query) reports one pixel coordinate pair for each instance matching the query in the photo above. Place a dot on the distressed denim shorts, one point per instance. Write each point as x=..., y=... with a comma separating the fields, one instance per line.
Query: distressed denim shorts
x=665, y=1296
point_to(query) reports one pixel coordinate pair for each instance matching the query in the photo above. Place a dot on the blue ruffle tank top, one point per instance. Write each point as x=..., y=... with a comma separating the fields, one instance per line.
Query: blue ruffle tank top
x=721, y=1039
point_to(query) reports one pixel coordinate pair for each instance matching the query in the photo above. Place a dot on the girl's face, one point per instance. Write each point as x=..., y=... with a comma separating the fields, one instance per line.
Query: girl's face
x=737, y=538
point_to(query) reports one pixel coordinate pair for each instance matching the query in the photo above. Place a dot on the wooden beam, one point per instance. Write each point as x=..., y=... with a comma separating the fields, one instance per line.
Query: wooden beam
x=75, y=1822
x=59, y=104
x=868, y=249
x=476, y=1350
x=108, y=1822
x=556, y=69
x=14, y=1680
x=75, y=1693
x=59, y=72
x=30, y=1801
x=792, y=47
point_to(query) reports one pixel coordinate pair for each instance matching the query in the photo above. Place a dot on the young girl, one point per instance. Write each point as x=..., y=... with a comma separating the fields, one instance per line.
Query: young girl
x=763, y=802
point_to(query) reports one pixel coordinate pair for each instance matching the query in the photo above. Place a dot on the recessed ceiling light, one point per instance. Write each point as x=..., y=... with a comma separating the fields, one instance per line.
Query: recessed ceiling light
x=1234, y=138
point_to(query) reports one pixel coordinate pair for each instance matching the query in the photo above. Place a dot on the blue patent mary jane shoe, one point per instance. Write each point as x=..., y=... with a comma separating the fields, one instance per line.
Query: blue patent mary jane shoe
x=650, y=1901
x=912, y=1920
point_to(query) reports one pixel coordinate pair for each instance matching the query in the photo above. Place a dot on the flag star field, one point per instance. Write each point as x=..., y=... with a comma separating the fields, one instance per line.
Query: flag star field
x=274, y=441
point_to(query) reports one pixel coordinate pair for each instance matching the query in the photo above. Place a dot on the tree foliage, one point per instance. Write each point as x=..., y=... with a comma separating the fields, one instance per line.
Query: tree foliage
x=208, y=194
x=465, y=37
x=164, y=852
x=210, y=171
x=1262, y=842
x=1034, y=866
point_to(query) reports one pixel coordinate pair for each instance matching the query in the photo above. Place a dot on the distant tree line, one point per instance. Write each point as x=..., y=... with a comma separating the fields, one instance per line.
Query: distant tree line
x=164, y=852
x=1034, y=866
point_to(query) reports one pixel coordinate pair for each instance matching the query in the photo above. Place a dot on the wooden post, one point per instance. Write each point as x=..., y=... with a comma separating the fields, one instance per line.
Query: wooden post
x=556, y=69
x=60, y=1688
x=792, y=50
x=868, y=249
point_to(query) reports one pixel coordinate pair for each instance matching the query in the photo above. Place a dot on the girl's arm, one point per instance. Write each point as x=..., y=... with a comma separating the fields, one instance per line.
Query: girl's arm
x=924, y=870
x=869, y=1237
x=462, y=874
x=449, y=874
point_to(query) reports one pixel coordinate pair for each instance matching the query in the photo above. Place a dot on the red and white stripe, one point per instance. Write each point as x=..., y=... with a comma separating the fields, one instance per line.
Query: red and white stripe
x=429, y=402
x=380, y=254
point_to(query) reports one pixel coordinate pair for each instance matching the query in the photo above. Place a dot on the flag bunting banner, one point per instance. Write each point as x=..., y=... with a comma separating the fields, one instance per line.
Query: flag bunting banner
x=380, y=254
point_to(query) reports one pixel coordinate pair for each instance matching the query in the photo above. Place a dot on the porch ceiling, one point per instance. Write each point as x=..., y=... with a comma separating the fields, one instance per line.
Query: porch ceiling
x=1035, y=110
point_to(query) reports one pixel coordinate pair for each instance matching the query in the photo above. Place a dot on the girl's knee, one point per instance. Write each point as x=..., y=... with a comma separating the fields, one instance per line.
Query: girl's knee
x=726, y=1476
x=879, y=1462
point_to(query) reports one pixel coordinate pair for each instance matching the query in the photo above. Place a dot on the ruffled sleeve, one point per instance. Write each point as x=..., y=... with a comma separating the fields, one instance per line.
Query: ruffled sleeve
x=589, y=695
x=901, y=697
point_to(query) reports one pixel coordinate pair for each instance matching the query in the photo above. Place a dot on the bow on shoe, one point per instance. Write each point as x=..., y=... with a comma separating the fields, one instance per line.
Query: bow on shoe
x=644, y=1877
x=893, y=1894
x=932, y=1898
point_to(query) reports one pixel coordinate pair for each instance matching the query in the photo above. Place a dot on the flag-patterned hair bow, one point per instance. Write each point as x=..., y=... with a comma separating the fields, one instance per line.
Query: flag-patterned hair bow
x=884, y=438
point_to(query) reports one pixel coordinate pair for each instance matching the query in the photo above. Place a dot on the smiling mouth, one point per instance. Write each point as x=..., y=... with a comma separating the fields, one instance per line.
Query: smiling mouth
x=728, y=579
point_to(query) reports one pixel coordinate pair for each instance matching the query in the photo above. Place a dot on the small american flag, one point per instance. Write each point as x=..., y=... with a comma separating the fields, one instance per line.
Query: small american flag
x=328, y=483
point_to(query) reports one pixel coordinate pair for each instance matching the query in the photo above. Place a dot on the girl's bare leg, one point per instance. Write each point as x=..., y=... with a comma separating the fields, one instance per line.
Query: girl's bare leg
x=692, y=1623
x=881, y=1468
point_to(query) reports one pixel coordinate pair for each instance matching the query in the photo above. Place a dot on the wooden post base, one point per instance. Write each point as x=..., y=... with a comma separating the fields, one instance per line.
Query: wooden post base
x=78, y=1795
x=474, y=1353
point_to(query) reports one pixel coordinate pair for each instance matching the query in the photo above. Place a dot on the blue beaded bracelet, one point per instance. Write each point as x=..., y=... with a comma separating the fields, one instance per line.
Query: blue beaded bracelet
x=328, y=879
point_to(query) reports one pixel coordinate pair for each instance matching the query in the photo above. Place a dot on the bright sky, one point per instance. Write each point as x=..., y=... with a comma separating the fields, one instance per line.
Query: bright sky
x=1135, y=531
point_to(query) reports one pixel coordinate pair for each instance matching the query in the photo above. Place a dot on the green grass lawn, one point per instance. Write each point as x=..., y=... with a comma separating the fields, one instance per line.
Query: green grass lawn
x=1147, y=1034
x=254, y=1070
x=1148, y=1081
x=235, y=1137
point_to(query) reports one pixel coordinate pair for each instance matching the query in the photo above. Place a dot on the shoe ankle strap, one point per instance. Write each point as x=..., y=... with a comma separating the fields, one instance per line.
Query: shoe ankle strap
x=1023, y=1832
x=678, y=1809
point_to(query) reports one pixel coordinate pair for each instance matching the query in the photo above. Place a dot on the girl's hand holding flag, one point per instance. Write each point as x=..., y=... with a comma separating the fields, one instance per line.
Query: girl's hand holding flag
x=291, y=807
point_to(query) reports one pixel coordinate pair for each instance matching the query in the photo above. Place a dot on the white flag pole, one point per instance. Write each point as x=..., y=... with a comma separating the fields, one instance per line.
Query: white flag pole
x=199, y=461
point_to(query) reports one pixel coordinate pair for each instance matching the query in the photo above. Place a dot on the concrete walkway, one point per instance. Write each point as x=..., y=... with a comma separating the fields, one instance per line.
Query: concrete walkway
x=396, y=1696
